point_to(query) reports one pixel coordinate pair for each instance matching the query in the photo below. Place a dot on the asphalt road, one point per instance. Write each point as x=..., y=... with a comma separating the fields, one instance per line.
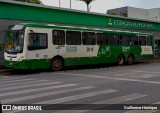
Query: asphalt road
x=91, y=85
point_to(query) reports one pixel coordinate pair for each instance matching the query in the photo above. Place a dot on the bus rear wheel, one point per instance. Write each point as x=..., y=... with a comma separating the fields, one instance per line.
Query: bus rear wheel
x=57, y=64
x=120, y=60
x=130, y=59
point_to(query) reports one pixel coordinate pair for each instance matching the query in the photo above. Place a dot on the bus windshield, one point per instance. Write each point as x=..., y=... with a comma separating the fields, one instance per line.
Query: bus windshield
x=14, y=42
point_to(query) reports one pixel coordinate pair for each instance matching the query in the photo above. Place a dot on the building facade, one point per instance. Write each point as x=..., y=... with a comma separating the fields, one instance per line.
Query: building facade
x=12, y=12
x=139, y=13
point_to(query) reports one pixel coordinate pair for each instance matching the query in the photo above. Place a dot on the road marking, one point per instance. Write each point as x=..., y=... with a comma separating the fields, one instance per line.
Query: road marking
x=23, y=82
x=16, y=80
x=121, y=99
x=135, y=75
x=148, y=72
x=147, y=68
x=112, y=78
x=45, y=94
x=76, y=97
x=35, y=89
x=10, y=78
x=111, y=72
x=143, y=111
x=117, y=100
x=31, y=85
x=148, y=76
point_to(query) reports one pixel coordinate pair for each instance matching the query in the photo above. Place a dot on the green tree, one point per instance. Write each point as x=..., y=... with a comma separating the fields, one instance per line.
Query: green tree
x=31, y=1
x=87, y=3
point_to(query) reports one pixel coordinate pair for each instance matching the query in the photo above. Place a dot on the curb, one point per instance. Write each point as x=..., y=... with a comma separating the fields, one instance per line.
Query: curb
x=5, y=70
x=1, y=67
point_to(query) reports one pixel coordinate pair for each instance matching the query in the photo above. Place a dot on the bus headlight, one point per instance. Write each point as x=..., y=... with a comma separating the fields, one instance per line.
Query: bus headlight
x=21, y=58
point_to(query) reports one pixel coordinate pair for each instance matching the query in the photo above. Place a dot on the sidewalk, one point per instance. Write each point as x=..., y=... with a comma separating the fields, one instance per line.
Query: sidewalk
x=3, y=69
x=155, y=60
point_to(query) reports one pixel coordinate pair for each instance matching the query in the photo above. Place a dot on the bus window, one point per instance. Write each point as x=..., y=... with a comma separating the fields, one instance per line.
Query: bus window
x=89, y=38
x=102, y=39
x=58, y=37
x=113, y=39
x=37, y=41
x=149, y=41
x=134, y=40
x=142, y=40
x=73, y=38
x=124, y=40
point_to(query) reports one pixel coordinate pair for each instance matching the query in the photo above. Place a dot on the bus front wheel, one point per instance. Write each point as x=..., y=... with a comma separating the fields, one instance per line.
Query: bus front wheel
x=57, y=64
x=120, y=60
x=130, y=59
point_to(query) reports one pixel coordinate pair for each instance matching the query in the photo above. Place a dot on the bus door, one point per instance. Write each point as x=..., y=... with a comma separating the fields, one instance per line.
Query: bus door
x=37, y=54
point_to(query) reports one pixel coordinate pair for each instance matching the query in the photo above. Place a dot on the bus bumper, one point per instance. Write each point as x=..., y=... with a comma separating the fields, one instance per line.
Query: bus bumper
x=15, y=64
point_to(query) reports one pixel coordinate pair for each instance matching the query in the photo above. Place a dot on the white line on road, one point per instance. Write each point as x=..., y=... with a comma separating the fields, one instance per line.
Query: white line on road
x=121, y=99
x=31, y=85
x=112, y=78
x=148, y=72
x=10, y=78
x=23, y=82
x=148, y=68
x=76, y=97
x=135, y=75
x=117, y=100
x=45, y=94
x=16, y=81
x=35, y=89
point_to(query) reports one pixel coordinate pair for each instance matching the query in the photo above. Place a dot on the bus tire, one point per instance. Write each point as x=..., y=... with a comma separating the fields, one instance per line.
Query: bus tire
x=57, y=64
x=120, y=60
x=130, y=59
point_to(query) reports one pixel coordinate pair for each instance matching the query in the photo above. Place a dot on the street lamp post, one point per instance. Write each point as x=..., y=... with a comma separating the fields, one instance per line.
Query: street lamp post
x=70, y=3
x=59, y=3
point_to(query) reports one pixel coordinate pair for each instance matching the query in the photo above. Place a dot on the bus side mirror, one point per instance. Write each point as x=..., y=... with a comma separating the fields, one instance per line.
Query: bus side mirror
x=31, y=31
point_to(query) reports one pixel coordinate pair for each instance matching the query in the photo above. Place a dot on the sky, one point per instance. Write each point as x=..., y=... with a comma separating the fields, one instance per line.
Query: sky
x=101, y=6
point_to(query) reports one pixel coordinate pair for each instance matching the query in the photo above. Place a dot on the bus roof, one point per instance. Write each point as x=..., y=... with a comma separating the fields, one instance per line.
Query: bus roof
x=82, y=28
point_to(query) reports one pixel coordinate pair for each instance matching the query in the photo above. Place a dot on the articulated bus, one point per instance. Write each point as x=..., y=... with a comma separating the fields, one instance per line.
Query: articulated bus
x=37, y=46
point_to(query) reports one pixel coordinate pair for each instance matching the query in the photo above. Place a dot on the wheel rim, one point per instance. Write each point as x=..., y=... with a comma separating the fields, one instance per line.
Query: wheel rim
x=57, y=64
x=120, y=60
x=130, y=60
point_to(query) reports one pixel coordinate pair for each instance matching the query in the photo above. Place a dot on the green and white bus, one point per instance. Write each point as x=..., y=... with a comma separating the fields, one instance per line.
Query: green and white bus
x=36, y=46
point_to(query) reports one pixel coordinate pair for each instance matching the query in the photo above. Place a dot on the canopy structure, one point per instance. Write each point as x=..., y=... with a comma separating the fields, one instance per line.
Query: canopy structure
x=13, y=12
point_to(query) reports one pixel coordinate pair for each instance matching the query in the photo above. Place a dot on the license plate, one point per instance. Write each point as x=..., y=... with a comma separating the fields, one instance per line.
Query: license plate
x=11, y=63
